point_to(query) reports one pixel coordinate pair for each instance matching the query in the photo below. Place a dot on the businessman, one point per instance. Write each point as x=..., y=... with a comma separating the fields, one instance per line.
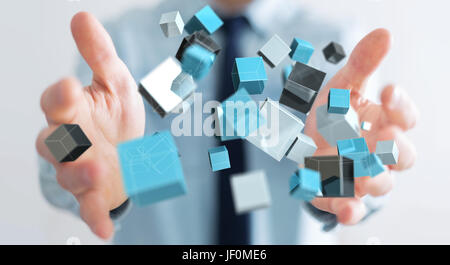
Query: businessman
x=105, y=102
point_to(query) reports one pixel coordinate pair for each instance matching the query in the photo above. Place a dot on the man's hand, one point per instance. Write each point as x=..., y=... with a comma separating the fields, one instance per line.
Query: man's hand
x=109, y=111
x=396, y=114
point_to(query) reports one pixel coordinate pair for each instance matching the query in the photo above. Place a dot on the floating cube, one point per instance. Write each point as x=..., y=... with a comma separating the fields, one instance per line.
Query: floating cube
x=156, y=87
x=151, y=168
x=388, y=152
x=171, y=24
x=374, y=165
x=334, y=127
x=183, y=85
x=250, y=191
x=67, y=143
x=302, y=147
x=357, y=150
x=338, y=101
x=366, y=126
x=197, y=61
x=305, y=184
x=301, y=88
x=201, y=38
x=301, y=51
x=249, y=73
x=205, y=19
x=286, y=72
x=238, y=116
x=218, y=158
x=336, y=174
x=279, y=131
x=334, y=53
x=274, y=51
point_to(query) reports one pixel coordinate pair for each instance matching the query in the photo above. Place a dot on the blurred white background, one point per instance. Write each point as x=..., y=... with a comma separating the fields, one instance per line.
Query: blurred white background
x=36, y=49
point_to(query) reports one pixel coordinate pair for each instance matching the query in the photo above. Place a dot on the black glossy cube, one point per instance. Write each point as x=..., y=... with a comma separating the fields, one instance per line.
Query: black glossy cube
x=336, y=173
x=301, y=88
x=334, y=53
x=67, y=142
x=201, y=38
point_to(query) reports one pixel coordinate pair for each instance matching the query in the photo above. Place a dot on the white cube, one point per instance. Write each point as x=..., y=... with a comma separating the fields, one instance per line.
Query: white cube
x=366, y=126
x=171, y=24
x=388, y=152
x=334, y=127
x=250, y=191
x=156, y=86
x=279, y=131
x=274, y=51
x=303, y=146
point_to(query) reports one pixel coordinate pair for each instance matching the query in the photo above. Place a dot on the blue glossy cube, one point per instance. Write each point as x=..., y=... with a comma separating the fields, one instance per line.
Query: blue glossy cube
x=249, y=73
x=205, y=19
x=357, y=150
x=301, y=51
x=305, y=184
x=219, y=158
x=197, y=61
x=151, y=169
x=241, y=116
x=374, y=165
x=338, y=101
x=286, y=72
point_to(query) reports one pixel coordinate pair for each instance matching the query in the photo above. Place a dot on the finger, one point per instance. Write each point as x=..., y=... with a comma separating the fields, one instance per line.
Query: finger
x=80, y=177
x=377, y=186
x=348, y=211
x=363, y=61
x=59, y=101
x=95, y=212
x=407, y=151
x=399, y=107
x=97, y=49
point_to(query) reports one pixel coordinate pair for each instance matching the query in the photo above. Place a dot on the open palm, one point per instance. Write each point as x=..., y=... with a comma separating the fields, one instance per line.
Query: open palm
x=109, y=111
x=396, y=114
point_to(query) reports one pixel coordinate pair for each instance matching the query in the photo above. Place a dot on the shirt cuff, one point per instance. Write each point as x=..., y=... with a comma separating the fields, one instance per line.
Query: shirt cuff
x=120, y=212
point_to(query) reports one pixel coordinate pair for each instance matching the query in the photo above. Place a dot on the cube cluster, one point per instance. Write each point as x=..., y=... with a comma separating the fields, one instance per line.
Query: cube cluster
x=151, y=167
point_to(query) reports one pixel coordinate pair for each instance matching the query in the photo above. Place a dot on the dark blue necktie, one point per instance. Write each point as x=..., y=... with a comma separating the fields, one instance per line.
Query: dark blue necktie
x=232, y=229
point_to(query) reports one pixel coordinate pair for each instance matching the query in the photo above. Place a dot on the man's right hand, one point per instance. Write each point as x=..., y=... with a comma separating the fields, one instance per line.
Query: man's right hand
x=109, y=111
